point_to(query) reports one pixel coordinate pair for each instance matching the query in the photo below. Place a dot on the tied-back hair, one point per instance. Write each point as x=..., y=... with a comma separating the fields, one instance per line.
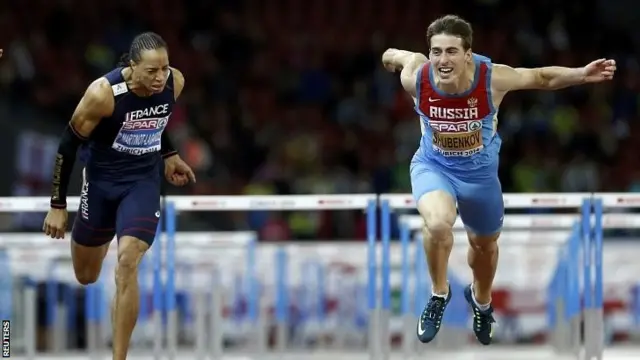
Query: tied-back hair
x=124, y=60
x=142, y=42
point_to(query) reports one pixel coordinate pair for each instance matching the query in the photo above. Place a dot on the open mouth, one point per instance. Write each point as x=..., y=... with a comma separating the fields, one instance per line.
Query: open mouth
x=445, y=70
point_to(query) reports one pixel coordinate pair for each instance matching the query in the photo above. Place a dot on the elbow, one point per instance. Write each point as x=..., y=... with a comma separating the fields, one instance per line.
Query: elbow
x=420, y=58
x=543, y=82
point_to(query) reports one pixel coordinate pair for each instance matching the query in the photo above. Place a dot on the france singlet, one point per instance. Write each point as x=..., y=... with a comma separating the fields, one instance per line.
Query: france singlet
x=121, y=180
x=459, y=148
x=126, y=146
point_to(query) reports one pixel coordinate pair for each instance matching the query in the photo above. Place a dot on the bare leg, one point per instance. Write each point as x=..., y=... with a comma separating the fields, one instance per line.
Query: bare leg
x=127, y=301
x=87, y=261
x=438, y=209
x=483, y=260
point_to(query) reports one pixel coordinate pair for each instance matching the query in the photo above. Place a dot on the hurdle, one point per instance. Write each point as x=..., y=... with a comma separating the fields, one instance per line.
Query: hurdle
x=392, y=202
x=379, y=304
x=164, y=265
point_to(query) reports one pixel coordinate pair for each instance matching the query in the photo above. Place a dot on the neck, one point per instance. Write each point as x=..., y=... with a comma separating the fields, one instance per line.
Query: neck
x=134, y=84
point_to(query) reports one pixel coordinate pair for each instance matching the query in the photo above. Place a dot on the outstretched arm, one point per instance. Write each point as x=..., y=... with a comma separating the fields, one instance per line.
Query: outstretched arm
x=506, y=78
x=408, y=63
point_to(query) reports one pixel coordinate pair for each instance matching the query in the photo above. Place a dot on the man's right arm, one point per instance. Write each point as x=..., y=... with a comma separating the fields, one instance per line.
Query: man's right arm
x=96, y=103
x=408, y=62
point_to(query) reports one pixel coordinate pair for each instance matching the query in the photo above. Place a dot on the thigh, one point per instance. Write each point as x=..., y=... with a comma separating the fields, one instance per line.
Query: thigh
x=139, y=211
x=427, y=178
x=481, y=205
x=95, y=222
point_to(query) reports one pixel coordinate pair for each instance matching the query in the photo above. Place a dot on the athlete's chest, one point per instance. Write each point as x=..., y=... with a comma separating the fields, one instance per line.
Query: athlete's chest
x=437, y=107
x=138, y=123
x=134, y=112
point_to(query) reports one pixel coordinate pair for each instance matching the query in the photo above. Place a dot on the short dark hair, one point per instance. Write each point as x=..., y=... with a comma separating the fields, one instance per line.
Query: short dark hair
x=452, y=25
x=144, y=41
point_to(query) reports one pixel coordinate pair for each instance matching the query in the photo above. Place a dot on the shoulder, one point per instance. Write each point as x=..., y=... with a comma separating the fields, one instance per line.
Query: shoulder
x=483, y=59
x=100, y=90
x=505, y=78
x=99, y=96
x=178, y=82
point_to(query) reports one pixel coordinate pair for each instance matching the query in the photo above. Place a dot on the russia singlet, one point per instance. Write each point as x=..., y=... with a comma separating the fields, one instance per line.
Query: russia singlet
x=458, y=130
x=126, y=146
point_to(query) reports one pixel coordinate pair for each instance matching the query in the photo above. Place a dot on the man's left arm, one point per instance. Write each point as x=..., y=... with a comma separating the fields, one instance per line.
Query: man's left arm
x=167, y=149
x=176, y=171
x=506, y=78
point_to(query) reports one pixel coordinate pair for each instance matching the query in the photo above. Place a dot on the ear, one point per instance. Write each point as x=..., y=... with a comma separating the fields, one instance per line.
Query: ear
x=468, y=56
x=132, y=64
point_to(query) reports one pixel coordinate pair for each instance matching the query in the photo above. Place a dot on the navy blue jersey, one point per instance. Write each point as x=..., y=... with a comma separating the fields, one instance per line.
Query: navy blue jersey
x=125, y=147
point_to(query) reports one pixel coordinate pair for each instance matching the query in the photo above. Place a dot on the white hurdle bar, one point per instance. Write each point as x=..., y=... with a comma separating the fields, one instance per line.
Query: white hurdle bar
x=389, y=202
x=365, y=202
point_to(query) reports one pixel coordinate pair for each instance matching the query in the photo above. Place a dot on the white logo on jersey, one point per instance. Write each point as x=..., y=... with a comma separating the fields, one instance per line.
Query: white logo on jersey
x=119, y=89
x=441, y=113
x=84, y=196
x=433, y=99
x=142, y=130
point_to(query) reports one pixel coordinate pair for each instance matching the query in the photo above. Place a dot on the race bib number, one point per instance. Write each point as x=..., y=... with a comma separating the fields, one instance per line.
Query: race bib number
x=140, y=136
x=460, y=138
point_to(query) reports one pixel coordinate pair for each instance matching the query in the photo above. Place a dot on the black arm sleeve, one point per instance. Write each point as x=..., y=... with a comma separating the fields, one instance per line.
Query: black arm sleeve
x=166, y=147
x=65, y=159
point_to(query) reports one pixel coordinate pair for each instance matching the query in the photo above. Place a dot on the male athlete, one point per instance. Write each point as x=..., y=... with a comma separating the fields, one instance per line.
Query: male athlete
x=457, y=94
x=120, y=123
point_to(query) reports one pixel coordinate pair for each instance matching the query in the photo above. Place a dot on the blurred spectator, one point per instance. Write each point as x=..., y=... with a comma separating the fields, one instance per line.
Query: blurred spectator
x=291, y=98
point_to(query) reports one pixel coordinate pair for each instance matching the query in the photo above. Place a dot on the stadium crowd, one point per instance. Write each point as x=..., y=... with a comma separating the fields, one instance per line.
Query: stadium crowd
x=290, y=97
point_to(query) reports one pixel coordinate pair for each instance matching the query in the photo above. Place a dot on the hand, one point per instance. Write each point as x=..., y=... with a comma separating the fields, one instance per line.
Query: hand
x=55, y=224
x=0, y=53
x=387, y=61
x=599, y=70
x=177, y=172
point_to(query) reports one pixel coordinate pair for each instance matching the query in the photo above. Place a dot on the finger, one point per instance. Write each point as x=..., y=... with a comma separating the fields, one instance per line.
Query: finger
x=192, y=176
x=47, y=230
x=182, y=180
x=61, y=233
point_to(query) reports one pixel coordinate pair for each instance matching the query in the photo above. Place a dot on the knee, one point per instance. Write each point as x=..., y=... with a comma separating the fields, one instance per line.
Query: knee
x=130, y=252
x=484, y=243
x=86, y=276
x=438, y=227
x=439, y=224
x=438, y=211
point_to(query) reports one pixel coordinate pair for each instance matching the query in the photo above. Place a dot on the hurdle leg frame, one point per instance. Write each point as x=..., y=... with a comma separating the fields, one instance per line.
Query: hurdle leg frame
x=593, y=302
x=200, y=325
x=30, y=319
x=217, y=322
